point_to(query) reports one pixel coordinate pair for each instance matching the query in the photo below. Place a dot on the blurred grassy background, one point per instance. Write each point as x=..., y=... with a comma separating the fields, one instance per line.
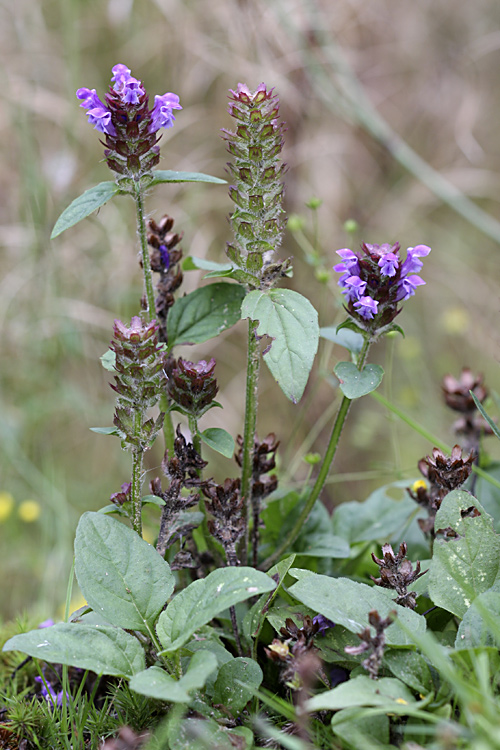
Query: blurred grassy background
x=354, y=77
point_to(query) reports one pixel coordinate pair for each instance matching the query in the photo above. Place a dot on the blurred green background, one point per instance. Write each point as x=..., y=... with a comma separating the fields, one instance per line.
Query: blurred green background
x=392, y=111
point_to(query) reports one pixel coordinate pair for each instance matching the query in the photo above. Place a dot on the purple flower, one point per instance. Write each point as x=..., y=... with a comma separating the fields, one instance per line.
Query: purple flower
x=354, y=288
x=98, y=115
x=161, y=114
x=46, y=623
x=412, y=262
x=323, y=624
x=408, y=286
x=50, y=695
x=388, y=264
x=366, y=307
x=165, y=256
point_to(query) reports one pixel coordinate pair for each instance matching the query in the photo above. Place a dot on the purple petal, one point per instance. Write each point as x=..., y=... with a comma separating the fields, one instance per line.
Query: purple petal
x=408, y=286
x=354, y=288
x=389, y=264
x=161, y=114
x=366, y=307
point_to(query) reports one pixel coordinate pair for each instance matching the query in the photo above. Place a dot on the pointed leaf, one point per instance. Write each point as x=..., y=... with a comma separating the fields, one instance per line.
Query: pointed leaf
x=291, y=322
x=467, y=565
x=345, y=337
x=204, y=313
x=348, y=603
x=156, y=683
x=121, y=576
x=101, y=649
x=205, y=598
x=108, y=360
x=219, y=440
x=191, y=263
x=85, y=205
x=168, y=175
x=354, y=383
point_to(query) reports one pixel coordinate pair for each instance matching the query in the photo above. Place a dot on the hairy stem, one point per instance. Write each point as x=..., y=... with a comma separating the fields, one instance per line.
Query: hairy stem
x=323, y=472
x=135, y=492
x=146, y=263
x=253, y=364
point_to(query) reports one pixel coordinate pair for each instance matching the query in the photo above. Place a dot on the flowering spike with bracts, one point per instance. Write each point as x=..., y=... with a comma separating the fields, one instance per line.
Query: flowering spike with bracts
x=128, y=125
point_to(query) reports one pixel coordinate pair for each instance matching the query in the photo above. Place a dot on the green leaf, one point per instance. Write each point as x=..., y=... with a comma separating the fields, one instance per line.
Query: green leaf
x=345, y=337
x=377, y=518
x=361, y=731
x=480, y=626
x=85, y=205
x=254, y=618
x=386, y=692
x=219, y=440
x=156, y=683
x=467, y=565
x=354, y=383
x=121, y=576
x=348, y=603
x=191, y=263
x=101, y=649
x=106, y=431
x=236, y=683
x=108, y=360
x=205, y=598
x=291, y=322
x=411, y=668
x=167, y=175
x=204, y=313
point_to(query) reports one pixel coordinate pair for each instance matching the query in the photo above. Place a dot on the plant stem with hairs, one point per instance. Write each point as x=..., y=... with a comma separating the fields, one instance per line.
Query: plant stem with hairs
x=323, y=472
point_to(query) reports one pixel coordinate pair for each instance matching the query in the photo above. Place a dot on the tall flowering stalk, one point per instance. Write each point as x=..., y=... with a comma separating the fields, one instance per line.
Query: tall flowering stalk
x=258, y=223
x=375, y=281
x=138, y=382
x=130, y=132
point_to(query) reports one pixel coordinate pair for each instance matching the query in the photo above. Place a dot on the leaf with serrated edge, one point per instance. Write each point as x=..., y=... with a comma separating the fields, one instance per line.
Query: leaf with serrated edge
x=291, y=322
x=84, y=205
x=204, y=313
x=205, y=598
x=100, y=649
x=121, y=576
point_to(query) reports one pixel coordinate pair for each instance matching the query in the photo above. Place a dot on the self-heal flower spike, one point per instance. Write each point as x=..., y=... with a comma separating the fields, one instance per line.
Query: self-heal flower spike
x=128, y=124
x=257, y=219
x=375, y=280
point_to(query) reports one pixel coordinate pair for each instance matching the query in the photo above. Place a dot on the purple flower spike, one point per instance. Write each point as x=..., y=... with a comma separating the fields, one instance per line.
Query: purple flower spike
x=388, y=264
x=161, y=114
x=366, y=307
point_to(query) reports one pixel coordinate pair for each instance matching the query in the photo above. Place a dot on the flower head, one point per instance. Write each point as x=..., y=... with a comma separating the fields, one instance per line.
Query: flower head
x=128, y=123
x=376, y=279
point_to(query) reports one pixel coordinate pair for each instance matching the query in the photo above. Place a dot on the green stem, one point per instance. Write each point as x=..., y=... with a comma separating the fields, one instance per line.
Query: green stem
x=323, y=472
x=135, y=492
x=253, y=364
x=146, y=263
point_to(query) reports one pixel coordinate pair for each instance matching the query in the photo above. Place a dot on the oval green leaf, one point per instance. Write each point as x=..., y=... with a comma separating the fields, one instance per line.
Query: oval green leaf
x=202, y=600
x=345, y=337
x=156, y=683
x=167, y=175
x=291, y=322
x=101, y=649
x=204, y=313
x=85, y=205
x=237, y=682
x=121, y=576
x=219, y=440
x=354, y=383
